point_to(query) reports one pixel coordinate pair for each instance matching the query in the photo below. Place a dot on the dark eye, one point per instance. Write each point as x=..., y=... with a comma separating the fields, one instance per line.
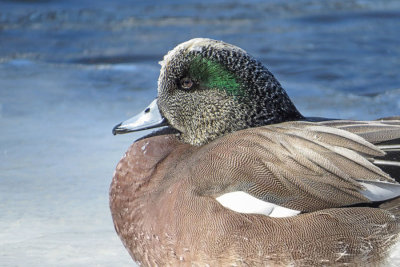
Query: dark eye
x=186, y=83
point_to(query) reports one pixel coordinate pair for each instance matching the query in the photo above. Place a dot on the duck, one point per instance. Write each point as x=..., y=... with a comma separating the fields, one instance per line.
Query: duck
x=234, y=175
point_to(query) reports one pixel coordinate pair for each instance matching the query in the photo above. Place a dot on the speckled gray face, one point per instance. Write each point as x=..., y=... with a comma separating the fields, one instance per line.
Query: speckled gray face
x=208, y=88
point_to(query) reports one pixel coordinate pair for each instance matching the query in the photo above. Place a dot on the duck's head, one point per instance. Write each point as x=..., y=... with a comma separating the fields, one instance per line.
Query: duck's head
x=209, y=88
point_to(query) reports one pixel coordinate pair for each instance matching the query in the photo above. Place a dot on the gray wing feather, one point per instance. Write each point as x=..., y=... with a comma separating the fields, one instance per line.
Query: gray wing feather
x=302, y=165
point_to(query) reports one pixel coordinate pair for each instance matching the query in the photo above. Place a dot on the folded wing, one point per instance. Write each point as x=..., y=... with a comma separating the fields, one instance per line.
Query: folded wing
x=303, y=166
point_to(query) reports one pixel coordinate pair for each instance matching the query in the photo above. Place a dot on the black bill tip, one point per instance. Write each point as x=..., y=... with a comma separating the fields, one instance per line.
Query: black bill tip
x=115, y=130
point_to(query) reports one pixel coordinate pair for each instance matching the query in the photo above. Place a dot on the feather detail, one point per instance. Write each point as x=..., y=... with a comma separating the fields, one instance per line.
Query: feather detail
x=298, y=165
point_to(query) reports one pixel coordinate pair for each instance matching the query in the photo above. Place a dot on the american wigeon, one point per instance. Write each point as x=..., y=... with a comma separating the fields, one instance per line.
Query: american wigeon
x=238, y=177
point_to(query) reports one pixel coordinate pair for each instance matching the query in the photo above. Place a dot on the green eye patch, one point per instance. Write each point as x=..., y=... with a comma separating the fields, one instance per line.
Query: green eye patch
x=212, y=74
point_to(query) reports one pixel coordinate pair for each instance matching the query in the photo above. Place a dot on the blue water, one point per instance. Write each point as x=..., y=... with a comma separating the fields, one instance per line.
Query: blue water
x=71, y=70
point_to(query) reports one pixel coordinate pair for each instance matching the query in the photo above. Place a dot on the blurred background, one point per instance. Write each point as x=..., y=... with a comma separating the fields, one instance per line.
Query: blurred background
x=72, y=69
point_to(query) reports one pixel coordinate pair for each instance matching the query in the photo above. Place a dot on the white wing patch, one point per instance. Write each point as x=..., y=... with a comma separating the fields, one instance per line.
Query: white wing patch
x=242, y=202
x=378, y=191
